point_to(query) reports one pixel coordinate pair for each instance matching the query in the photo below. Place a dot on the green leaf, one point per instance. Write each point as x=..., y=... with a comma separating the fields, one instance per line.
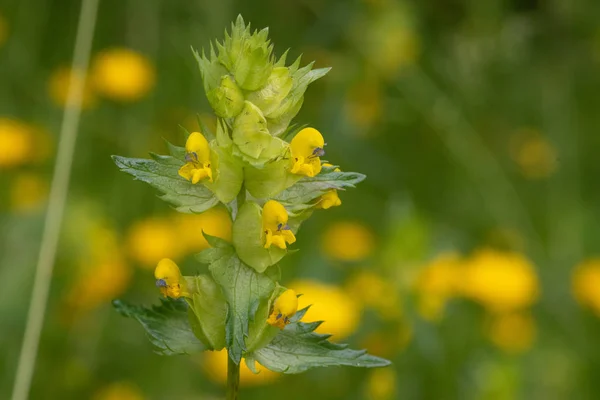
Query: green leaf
x=297, y=348
x=208, y=313
x=248, y=239
x=162, y=174
x=167, y=325
x=243, y=289
x=309, y=189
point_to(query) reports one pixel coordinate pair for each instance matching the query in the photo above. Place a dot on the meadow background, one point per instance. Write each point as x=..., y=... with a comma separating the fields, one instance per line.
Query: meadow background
x=469, y=257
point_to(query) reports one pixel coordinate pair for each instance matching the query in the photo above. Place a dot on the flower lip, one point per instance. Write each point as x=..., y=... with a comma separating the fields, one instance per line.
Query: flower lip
x=161, y=283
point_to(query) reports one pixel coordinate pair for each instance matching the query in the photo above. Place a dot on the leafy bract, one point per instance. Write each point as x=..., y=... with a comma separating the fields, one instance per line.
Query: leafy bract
x=248, y=239
x=297, y=348
x=167, y=325
x=209, y=312
x=308, y=189
x=243, y=289
x=162, y=174
x=270, y=180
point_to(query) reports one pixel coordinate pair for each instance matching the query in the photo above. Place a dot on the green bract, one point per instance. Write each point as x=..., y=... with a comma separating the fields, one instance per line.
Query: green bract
x=245, y=165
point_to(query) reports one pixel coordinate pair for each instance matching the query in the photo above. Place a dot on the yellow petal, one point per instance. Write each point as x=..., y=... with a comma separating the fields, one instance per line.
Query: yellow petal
x=187, y=171
x=198, y=175
x=288, y=236
x=198, y=149
x=328, y=200
x=274, y=216
x=305, y=142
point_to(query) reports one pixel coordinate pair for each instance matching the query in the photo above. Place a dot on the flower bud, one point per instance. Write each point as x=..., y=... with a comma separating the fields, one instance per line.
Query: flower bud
x=227, y=99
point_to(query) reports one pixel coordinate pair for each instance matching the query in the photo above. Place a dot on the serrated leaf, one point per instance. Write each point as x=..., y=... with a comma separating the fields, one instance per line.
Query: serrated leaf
x=308, y=189
x=208, y=310
x=248, y=239
x=167, y=325
x=163, y=175
x=297, y=348
x=243, y=289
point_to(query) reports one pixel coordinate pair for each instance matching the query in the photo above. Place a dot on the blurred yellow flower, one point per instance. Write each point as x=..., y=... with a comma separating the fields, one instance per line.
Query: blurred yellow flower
x=436, y=283
x=3, y=30
x=500, y=281
x=586, y=284
x=329, y=303
x=513, y=332
x=381, y=384
x=59, y=83
x=215, y=365
x=28, y=192
x=533, y=154
x=348, y=241
x=122, y=74
x=214, y=222
x=153, y=239
x=374, y=291
x=119, y=391
x=16, y=143
x=363, y=104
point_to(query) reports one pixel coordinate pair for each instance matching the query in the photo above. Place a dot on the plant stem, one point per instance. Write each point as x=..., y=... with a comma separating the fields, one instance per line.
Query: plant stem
x=233, y=379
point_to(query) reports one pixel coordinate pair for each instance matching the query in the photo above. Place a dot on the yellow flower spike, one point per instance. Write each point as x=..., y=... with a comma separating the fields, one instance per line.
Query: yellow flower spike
x=274, y=222
x=169, y=279
x=307, y=146
x=197, y=156
x=285, y=307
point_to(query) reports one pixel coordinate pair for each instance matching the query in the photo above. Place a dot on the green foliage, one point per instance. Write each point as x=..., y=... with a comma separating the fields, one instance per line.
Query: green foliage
x=162, y=174
x=248, y=239
x=229, y=175
x=209, y=312
x=167, y=325
x=297, y=348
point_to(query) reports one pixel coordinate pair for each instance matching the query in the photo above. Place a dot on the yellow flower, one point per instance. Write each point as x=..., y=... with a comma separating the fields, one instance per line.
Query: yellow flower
x=119, y=391
x=331, y=198
x=197, y=156
x=500, y=281
x=513, y=332
x=381, y=384
x=328, y=303
x=214, y=222
x=59, y=83
x=307, y=146
x=16, y=143
x=586, y=284
x=122, y=74
x=3, y=30
x=274, y=223
x=436, y=284
x=535, y=156
x=215, y=364
x=28, y=192
x=169, y=280
x=285, y=307
x=348, y=241
x=373, y=291
x=152, y=239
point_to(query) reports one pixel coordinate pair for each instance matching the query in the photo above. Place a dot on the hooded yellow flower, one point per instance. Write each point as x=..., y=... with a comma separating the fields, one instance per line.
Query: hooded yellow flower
x=500, y=281
x=60, y=82
x=513, y=332
x=285, y=307
x=329, y=303
x=306, y=147
x=122, y=74
x=274, y=224
x=586, y=284
x=381, y=384
x=348, y=241
x=215, y=365
x=331, y=198
x=197, y=156
x=169, y=280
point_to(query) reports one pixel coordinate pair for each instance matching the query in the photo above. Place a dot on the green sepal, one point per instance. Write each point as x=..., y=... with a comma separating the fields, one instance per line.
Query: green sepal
x=162, y=174
x=243, y=289
x=298, y=348
x=270, y=180
x=269, y=97
x=227, y=99
x=208, y=312
x=249, y=239
x=252, y=140
x=167, y=325
x=308, y=189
